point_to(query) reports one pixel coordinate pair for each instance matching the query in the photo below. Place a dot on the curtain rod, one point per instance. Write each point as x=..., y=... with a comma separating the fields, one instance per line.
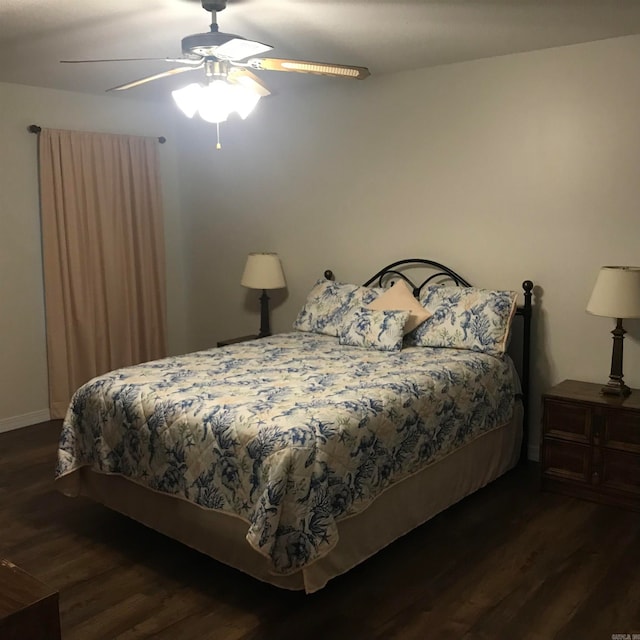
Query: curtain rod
x=34, y=128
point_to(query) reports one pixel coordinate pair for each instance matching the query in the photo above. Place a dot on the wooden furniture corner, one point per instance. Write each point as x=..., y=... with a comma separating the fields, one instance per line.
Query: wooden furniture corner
x=224, y=343
x=28, y=608
x=590, y=445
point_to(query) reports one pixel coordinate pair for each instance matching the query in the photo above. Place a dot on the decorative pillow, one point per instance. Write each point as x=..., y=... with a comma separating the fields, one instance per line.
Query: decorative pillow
x=369, y=328
x=399, y=297
x=327, y=304
x=466, y=318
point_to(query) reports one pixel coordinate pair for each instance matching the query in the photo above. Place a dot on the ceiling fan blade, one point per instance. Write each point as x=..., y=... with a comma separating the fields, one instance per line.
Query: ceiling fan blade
x=245, y=78
x=306, y=66
x=156, y=76
x=190, y=61
x=239, y=49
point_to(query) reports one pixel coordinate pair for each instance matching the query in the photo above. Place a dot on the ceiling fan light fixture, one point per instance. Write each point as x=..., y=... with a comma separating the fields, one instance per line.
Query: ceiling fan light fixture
x=215, y=102
x=245, y=100
x=188, y=98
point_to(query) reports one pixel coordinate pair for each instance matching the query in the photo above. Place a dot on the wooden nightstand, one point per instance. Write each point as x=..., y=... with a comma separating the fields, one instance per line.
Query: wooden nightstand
x=28, y=608
x=590, y=445
x=224, y=343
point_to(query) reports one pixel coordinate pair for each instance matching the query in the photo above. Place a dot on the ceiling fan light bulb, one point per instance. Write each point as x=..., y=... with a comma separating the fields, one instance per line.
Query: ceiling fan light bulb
x=215, y=102
x=213, y=113
x=245, y=100
x=188, y=98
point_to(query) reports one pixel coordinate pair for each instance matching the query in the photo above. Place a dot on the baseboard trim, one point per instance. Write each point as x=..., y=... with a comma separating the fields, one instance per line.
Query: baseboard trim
x=25, y=420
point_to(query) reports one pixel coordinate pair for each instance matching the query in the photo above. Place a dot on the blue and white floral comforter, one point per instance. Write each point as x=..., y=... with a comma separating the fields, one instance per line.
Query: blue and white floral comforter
x=291, y=433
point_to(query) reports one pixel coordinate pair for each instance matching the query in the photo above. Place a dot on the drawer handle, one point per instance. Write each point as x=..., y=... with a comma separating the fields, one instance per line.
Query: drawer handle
x=598, y=423
x=595, y=477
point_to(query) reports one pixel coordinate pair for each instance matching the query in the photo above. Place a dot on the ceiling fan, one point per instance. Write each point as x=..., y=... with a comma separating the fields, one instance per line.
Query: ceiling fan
x=229, y=57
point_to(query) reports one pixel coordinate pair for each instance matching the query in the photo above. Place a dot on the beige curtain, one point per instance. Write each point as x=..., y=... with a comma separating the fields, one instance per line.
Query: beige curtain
x=103, y=255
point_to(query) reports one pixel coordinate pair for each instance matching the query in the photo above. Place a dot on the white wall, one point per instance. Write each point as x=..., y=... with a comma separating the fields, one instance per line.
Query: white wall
x=511, y=168
x=23, y=377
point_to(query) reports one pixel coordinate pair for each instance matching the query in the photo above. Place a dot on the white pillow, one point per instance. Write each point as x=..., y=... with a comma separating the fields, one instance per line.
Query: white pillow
x=400, y=298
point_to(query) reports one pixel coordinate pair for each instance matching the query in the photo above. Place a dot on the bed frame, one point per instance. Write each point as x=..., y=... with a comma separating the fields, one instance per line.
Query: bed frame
x=439, y=274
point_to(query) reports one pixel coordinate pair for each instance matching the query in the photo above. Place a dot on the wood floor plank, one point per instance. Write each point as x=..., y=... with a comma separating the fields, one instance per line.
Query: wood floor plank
x=560, y=586
x=507, y=562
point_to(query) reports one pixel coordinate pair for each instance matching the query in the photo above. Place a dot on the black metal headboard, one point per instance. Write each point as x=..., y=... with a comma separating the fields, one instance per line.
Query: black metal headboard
x=439, y=273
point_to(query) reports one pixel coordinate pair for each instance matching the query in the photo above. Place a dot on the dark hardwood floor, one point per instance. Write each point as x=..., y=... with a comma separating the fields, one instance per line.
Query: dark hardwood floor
x=509, y=562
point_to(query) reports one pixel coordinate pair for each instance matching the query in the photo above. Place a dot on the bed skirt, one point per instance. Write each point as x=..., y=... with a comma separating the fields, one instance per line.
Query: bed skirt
x=400, y=509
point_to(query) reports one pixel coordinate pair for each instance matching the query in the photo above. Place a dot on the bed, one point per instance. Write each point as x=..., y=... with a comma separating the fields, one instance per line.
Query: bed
x=295, y=457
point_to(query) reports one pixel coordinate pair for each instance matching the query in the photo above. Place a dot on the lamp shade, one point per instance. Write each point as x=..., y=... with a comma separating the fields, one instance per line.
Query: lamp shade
x=263, y=271
x=616, y=293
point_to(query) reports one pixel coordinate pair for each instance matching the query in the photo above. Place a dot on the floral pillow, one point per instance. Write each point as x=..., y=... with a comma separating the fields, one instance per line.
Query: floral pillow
x=400, y=297
x=466, y=318
x=327, y=304
x=374, y=329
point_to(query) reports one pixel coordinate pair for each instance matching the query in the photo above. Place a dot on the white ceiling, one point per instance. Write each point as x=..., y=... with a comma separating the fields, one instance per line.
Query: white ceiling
x=384, y=36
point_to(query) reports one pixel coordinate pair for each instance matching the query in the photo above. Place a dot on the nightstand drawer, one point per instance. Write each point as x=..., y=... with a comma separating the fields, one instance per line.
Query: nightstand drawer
x=621, y=472
x=566, y=460
x=622, y=431
x=567, y=421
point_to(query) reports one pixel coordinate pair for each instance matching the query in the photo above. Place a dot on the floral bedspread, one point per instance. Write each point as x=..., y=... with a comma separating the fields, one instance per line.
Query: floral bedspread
x=291, y=433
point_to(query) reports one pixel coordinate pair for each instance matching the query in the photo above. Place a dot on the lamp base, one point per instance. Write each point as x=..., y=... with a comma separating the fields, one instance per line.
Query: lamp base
x=265, y=329
x=615, y=388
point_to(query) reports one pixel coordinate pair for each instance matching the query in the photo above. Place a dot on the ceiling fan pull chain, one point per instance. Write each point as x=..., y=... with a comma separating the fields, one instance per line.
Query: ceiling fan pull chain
x=218, y=145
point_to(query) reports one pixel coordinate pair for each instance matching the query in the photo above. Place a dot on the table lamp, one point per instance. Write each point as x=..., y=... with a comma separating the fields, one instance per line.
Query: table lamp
x=263, y=271
x=616, y=294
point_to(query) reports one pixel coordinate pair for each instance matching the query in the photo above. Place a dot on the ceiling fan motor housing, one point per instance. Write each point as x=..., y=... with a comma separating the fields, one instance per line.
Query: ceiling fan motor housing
x=214, y=6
